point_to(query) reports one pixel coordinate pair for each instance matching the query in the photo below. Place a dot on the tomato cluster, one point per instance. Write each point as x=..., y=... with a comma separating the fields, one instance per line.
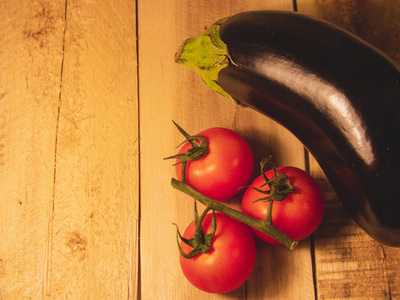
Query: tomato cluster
x=222, y=171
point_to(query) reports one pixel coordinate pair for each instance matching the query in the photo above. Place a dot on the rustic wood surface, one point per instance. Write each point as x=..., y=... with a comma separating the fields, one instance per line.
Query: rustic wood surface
x=88, y=92
x=69, y=176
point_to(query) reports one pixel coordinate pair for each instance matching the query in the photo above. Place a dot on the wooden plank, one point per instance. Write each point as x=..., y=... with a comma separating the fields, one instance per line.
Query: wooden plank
x=69, y=210
x=172, y=92
x=31, y=39
x=95, y=215
x=349, y=264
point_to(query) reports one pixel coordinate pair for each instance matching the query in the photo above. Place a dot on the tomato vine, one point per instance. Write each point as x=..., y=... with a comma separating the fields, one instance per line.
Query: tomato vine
x=279, y=188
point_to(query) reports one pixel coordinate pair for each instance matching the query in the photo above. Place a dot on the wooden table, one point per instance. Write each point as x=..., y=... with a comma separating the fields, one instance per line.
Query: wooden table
x=88, y=92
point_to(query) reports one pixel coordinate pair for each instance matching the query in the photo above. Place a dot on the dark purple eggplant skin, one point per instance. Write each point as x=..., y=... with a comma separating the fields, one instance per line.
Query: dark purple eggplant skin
x=337, y=94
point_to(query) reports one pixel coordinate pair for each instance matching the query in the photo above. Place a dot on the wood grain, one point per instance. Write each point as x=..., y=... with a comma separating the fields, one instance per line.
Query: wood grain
x=349, y=264
x=31, y=58
x=69, y=130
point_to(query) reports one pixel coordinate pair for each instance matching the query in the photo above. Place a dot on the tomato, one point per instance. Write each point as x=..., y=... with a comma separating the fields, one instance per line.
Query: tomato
x=230, y=261
x=298, y=215
x=226, y=167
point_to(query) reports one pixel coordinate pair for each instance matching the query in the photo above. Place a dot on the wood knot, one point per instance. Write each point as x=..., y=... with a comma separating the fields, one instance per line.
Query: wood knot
x=77, y=244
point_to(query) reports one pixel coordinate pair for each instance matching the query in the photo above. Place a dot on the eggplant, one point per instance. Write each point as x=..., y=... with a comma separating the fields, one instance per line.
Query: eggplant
x=336, y=93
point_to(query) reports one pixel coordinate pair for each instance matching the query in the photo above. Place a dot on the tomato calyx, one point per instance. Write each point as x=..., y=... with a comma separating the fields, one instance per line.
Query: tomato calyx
x=198, y=150
x=279, y=188
x=201, y=243
x=279, y=185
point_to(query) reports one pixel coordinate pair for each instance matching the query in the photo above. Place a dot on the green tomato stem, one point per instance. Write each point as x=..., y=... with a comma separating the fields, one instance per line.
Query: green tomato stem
x=260, y=225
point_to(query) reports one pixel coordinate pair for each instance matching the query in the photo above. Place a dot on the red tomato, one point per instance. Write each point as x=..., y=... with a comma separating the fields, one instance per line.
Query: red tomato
x=298, y=215
x=226, y=168
x=229, y=262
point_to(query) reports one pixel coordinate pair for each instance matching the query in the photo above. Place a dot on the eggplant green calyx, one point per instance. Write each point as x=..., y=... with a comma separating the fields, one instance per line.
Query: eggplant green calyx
x=207, y=54
x=200, y=243
x=198, y=150
x=279, y=185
